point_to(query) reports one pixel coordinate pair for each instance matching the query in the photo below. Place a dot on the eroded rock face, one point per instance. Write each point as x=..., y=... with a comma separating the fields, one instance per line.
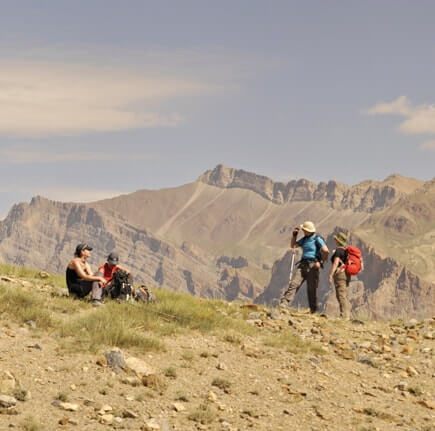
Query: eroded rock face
x=383, y=290
x=235, y=286
x=368, y=196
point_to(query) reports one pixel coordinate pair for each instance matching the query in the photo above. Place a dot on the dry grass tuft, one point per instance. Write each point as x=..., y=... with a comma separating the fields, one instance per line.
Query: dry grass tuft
x=204, y=414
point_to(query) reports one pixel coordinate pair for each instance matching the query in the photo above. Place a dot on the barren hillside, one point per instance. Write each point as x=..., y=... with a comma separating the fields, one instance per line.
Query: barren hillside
x=190, y=364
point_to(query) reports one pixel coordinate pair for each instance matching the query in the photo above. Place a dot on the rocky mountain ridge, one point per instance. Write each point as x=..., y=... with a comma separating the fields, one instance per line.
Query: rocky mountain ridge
x=220, y=240
x=368, y=196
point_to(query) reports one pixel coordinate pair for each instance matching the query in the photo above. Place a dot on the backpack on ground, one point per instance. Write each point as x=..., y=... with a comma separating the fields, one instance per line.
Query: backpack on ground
x=353, y=264
x=120, y=286
x=143, y=293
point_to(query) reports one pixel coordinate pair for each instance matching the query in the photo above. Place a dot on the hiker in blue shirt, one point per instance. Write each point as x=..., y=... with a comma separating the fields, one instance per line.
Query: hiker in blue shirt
x=314, y=253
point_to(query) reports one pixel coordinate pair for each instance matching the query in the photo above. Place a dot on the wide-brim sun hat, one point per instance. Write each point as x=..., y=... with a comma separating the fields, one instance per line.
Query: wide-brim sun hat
x=308, y=226
x=341, y=238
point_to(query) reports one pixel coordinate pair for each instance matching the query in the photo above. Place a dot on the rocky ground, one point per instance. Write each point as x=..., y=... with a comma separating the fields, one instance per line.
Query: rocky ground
x=357, y=375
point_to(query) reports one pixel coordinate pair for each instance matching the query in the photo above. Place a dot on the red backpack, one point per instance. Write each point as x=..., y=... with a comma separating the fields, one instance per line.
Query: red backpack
x=352, y=266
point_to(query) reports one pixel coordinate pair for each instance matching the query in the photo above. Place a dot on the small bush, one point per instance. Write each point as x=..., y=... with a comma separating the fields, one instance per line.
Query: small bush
x=31, y=424
x=154, y=382
x=204, y=414
x=232, y=338
x=292, y=343
x=221, y=383
x=170, y=372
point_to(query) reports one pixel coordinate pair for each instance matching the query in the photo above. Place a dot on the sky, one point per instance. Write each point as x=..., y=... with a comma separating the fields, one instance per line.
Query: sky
x=104, y=97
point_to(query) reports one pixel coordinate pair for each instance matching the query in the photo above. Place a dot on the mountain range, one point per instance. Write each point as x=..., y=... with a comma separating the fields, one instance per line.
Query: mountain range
x=226, y=235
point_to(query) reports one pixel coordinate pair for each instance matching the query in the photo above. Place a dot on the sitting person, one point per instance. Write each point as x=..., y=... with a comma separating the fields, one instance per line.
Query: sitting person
x=107, y=271
x=79, y=278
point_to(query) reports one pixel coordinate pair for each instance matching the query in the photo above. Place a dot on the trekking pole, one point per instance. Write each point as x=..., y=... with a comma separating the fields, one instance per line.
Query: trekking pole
x=292, y=265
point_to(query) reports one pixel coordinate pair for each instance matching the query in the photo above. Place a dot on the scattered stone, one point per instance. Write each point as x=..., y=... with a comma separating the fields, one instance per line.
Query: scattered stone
x=7, y=401
x=73, y=421
x=366, y=360
x=34, y=346
x=43, y=274
x=221, y=366
x=68, y=406
x=63, y=421
x=412, y=371
x=212, y=397
x=126, y=413
x=73, y=387
x=408, y=349
x=106, y=408
x=139, y=367
x=7, y=382
x=274, y=314
x=101, y=361
x=132, y=381
x=106, y=419
x=402, y=386
x=255, y=315
x=151, y=425
x=428, y=404
x=22, y=394
x=31, y=323
x=178, y=407
x=115, y=358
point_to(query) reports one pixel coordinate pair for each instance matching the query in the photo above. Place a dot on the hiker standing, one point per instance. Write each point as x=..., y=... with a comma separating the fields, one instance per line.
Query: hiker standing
x=314, y=253
x=79, y=278
x=338, y=274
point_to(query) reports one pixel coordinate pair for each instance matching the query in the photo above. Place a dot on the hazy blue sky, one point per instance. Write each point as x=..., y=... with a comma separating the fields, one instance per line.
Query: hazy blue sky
x=103, y=97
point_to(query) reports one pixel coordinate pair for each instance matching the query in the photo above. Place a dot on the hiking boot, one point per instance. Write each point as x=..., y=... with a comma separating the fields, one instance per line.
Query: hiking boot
x=97, y=303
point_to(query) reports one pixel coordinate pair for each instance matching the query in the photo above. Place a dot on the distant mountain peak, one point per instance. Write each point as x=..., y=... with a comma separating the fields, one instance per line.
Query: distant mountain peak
x=367, y=196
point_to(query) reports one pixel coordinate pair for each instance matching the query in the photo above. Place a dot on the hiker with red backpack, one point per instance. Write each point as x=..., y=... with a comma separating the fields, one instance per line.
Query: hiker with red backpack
x=314, y=253
x=346, y=261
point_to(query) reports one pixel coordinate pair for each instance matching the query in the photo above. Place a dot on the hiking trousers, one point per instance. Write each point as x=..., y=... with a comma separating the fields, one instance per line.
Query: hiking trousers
x=341, y=283
x=305, y=271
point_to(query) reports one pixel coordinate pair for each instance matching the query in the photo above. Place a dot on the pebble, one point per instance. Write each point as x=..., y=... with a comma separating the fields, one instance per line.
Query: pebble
x=7, y=401
x=69, y=406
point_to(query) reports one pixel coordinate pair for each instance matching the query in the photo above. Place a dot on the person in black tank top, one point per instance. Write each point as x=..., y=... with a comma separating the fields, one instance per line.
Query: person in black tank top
x=79, y=278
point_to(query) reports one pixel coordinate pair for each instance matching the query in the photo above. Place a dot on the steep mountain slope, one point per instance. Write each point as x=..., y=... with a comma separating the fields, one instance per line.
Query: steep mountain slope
x=406, y=231
x=192, y=238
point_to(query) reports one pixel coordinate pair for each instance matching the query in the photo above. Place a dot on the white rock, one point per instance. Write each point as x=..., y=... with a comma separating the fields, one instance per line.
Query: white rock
x=69, y=407
x=151, y=425
x=106, y=419
x=179, y=407
x=7, y=382
x=139, y=367
x=7, y=401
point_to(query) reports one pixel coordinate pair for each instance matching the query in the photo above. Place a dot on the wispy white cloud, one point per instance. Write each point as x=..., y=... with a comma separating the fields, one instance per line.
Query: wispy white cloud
x=26, y=156
x=399, y=106
x=43, y=99
x=418, y=119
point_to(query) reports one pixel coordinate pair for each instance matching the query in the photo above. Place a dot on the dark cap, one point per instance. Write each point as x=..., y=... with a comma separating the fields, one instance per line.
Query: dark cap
x=113, y=258
x=81, y=247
